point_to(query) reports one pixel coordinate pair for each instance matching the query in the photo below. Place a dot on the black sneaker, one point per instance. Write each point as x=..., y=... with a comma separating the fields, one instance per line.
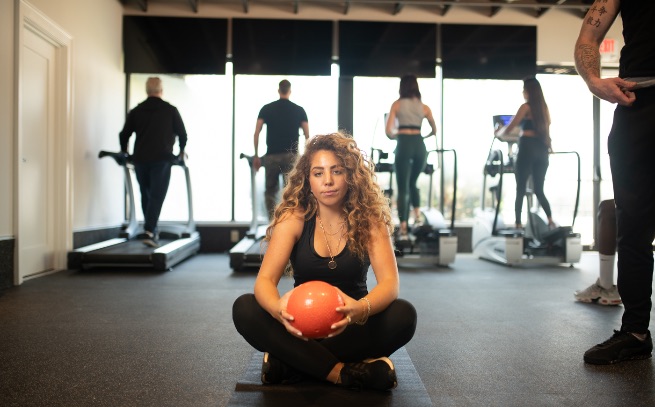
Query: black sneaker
x=620, y=347
x=150, y=240
x=274, y=371
x=375, y=374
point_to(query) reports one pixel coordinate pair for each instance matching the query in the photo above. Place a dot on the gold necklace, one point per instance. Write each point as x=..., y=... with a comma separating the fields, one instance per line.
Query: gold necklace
x=338, y=230
x=331, y=264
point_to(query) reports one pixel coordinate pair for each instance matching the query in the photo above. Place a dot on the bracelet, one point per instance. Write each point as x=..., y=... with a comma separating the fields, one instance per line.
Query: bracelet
x=368, y=312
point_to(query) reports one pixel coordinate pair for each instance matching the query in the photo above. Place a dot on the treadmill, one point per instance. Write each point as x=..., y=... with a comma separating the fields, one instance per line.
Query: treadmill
x=248, y=253
x=176, y=241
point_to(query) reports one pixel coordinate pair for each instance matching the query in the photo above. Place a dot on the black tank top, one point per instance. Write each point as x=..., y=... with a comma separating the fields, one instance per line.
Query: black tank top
x=637, y=56
x=349, y=276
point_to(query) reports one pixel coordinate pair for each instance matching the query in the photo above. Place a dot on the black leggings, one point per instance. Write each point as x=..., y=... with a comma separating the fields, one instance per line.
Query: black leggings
x=531, y=160
x=411, y=157
x=382, y=335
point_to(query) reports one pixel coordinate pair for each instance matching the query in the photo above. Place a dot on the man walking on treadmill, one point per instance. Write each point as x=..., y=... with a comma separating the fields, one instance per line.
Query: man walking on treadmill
x=156, y=124
x=282, y=118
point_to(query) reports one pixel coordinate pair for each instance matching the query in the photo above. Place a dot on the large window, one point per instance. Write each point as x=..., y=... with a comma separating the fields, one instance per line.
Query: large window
x=469, y=106
x=571, y=110
x=372, y=99
x=205, y=104
x=316, y=94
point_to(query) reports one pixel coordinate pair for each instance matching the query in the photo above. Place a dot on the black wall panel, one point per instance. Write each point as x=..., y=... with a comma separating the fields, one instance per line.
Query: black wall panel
x=281, y=47
x=387, y=49
x=304, y=47
x=174, y=45
x=488, y=51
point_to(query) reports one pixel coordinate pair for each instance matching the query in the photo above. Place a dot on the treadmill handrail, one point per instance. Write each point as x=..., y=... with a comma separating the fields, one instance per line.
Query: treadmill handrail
x=123, y=159
x=253, y=194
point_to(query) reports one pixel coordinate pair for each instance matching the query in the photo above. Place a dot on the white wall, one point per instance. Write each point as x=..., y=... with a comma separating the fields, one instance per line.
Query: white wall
x=98, y=106
x=6, y=118
x=557, y=29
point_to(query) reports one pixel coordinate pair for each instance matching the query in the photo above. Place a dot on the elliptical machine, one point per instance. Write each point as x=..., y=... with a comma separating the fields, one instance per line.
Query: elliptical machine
x=433, y=241
x=536, y=243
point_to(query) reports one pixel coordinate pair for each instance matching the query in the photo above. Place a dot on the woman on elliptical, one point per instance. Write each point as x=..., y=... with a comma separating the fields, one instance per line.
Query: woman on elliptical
x=411, y=154
x=533, y=119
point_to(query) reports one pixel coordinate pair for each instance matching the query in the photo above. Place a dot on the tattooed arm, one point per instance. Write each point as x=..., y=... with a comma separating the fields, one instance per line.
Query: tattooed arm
x=597, y=22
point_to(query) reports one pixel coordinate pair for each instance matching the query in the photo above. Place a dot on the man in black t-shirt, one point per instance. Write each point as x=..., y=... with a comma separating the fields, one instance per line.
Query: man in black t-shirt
x=631, y=144
x=156, y=123
x=283, y=118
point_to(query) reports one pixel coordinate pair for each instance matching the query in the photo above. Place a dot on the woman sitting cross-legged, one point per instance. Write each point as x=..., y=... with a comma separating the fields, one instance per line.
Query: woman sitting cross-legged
x=332, y=224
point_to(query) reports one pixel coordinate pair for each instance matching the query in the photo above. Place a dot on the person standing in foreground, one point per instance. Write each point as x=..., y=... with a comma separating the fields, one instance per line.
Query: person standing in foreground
x=156, y=123
x=282, y=119
x=411, y=155
x=332, y=224
x=630, y=145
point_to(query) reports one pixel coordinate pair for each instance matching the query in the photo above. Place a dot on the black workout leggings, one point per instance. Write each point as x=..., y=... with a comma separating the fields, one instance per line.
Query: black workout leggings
x=411, y=157
x=532, y=159
x=382, y=335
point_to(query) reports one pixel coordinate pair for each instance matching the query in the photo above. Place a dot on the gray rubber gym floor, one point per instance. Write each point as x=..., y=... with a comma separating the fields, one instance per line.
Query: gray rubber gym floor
x=488, y=335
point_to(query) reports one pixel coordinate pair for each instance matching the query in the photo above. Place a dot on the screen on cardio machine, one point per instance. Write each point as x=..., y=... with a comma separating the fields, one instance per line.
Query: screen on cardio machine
x=502, y=120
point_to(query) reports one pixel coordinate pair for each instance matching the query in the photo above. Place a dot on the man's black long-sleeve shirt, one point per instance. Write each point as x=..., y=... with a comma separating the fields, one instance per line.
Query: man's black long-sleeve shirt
x=156, y=124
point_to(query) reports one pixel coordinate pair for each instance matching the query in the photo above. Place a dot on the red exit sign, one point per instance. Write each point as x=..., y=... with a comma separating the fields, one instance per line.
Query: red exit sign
x=607, y=46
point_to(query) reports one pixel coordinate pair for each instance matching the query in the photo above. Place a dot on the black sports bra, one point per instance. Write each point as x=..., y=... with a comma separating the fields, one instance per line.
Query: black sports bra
x=527, y=124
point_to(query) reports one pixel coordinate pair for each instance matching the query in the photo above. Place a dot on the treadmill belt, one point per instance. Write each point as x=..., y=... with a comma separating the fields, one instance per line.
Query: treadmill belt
x=131, y=253
x=250, y=391
x=131, y=247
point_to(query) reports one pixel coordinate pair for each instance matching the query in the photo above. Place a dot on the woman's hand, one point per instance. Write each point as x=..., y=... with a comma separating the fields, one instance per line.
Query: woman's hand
x=352, y=311
x=499, y=131
x=285, y=318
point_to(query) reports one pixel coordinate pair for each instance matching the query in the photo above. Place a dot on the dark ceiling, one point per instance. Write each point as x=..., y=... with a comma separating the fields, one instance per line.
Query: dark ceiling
x=535, y=8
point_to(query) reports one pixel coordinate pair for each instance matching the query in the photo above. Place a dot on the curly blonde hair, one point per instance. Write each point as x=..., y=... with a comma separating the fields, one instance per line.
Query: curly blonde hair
x=365, y=205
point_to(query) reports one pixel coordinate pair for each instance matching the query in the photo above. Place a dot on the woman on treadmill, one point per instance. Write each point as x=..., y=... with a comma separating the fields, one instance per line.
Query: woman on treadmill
x=533, y=119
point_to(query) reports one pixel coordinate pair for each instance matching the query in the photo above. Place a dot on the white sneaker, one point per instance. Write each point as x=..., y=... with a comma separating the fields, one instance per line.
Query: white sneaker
x=596, y=293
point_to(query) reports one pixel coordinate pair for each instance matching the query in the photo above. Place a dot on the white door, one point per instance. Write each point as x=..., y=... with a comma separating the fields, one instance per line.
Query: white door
x=36, y=145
